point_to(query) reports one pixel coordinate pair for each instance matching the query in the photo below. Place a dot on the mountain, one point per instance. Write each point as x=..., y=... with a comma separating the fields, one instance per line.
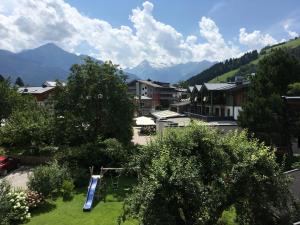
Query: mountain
x=172, y=74
x=34, y=66
x=292, y=46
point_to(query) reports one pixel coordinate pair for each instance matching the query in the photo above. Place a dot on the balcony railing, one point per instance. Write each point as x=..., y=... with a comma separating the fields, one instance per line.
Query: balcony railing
x=209, y=118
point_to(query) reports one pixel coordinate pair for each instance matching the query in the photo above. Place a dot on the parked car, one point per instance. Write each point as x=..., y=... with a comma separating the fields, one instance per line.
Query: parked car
x=7, y=164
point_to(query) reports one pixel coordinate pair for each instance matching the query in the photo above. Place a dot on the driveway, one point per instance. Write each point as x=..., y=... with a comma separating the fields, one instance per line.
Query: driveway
x=19, y=177
x=140, y=139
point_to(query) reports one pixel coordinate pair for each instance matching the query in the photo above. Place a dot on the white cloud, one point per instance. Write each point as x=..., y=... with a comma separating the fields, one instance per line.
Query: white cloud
x=291, y=33
x=256, y=39
x=30, y=23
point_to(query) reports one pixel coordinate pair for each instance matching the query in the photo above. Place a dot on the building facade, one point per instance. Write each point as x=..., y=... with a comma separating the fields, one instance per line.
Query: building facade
x=217, y=101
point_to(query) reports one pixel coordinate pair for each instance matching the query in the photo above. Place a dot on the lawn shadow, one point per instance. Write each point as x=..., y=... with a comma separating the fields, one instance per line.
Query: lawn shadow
x=46, y=207
x=119, y=193
x=105, y=192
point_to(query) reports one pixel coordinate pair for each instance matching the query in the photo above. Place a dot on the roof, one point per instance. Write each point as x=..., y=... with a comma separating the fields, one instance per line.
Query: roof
x=142, y=97
x=157, y=84
x=52, y=83
x=198, y=87
x=181, y=103
x=292, y=97
x=144, y=121
x=149, y=83
x=219, y=86
x=34, y=90
x=165, y=114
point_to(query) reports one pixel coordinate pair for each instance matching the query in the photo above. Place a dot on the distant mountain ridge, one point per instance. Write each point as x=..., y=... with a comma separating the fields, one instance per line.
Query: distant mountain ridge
x=34, y=66
x=172, y=74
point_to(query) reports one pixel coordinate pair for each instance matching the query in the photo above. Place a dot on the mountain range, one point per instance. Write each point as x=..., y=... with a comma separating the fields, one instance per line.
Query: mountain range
x=34, y=66
x=172, y=74
x=50, y=62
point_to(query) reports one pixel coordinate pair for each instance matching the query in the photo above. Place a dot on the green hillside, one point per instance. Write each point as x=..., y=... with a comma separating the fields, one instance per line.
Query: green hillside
x=290, y=44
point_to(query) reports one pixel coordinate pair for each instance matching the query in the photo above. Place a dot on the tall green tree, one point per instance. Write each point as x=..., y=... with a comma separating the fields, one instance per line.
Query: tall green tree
x=264, y=109
x=11, y=100
x=19, y=82
x=191, y=176
x=93, y=104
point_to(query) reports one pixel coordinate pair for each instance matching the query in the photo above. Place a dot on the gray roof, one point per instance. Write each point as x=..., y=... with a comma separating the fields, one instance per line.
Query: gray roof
x=49, y=83
x=34, y=90
x=219, y=86
x=150, y=83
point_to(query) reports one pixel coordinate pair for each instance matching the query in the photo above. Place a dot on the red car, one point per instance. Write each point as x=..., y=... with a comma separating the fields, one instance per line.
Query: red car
x=8, y=164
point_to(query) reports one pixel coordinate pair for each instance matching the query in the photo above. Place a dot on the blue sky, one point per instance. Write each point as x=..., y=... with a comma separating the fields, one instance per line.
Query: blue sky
x=162, y=32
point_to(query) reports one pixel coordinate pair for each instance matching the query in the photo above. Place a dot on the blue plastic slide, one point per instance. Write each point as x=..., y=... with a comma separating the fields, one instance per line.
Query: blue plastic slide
x=90, y=194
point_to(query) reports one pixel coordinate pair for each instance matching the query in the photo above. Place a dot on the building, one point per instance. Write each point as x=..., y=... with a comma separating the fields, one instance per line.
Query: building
x=217, y=101
x=160, y=94
x=143, y=105
x=41, y=94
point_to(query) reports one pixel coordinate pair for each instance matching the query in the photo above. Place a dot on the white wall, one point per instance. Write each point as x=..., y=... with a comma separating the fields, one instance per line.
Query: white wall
x=237, y=110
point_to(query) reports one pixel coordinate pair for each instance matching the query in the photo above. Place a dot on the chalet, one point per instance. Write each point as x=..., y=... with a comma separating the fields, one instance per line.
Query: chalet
x=217, y=101
x=41, y=94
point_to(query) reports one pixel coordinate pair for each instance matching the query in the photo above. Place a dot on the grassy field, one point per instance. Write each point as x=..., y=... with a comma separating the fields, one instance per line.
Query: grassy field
x=105, y=212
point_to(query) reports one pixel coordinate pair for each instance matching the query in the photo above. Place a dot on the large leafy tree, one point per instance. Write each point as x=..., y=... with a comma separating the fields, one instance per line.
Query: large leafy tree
x=28, y=127
x=192, y=175
x=93, y=104
x=264, y=109
x=11, y=100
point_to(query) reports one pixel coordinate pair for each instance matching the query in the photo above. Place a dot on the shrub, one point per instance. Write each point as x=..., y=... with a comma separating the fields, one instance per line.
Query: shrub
x=48, y=179
x=33, y=199
x=4, y=202
x=19, y=210
x=67, y=189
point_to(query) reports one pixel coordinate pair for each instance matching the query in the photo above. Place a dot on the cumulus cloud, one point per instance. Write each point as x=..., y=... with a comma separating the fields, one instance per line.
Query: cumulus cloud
x=30, y=23
x=291, y=33
x=256, y=39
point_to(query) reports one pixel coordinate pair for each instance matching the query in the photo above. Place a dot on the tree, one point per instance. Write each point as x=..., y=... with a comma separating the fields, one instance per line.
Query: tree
x=93, y=104
x=263, y=110
x=28, y=127
x=1, y=78
x=11, y=100
x=294, y=89
x=19, y=82
x=191, y=176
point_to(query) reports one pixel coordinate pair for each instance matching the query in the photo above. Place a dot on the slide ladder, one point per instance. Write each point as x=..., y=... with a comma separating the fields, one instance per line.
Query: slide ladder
x=91, y=192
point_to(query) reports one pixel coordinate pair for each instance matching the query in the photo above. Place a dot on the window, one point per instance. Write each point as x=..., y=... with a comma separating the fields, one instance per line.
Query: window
x=145, y=88
x=146, y=93
x=228, y=112
x=299, y=142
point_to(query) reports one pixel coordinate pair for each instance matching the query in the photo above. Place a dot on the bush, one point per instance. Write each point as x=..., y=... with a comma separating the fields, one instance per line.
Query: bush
x=48, y=179
x=4, y=202
x=19, y=210
x=67, y=189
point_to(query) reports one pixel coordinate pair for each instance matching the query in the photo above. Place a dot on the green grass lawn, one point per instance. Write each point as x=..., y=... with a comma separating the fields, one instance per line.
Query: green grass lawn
x=105, y=212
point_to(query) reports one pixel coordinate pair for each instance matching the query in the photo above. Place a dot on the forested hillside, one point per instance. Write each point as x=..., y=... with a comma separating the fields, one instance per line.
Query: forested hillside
x=293, y=46
x=223, y=67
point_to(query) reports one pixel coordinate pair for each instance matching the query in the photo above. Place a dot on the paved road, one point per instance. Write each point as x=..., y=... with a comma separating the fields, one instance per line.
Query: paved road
x=18, y=178
x=139, y=139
